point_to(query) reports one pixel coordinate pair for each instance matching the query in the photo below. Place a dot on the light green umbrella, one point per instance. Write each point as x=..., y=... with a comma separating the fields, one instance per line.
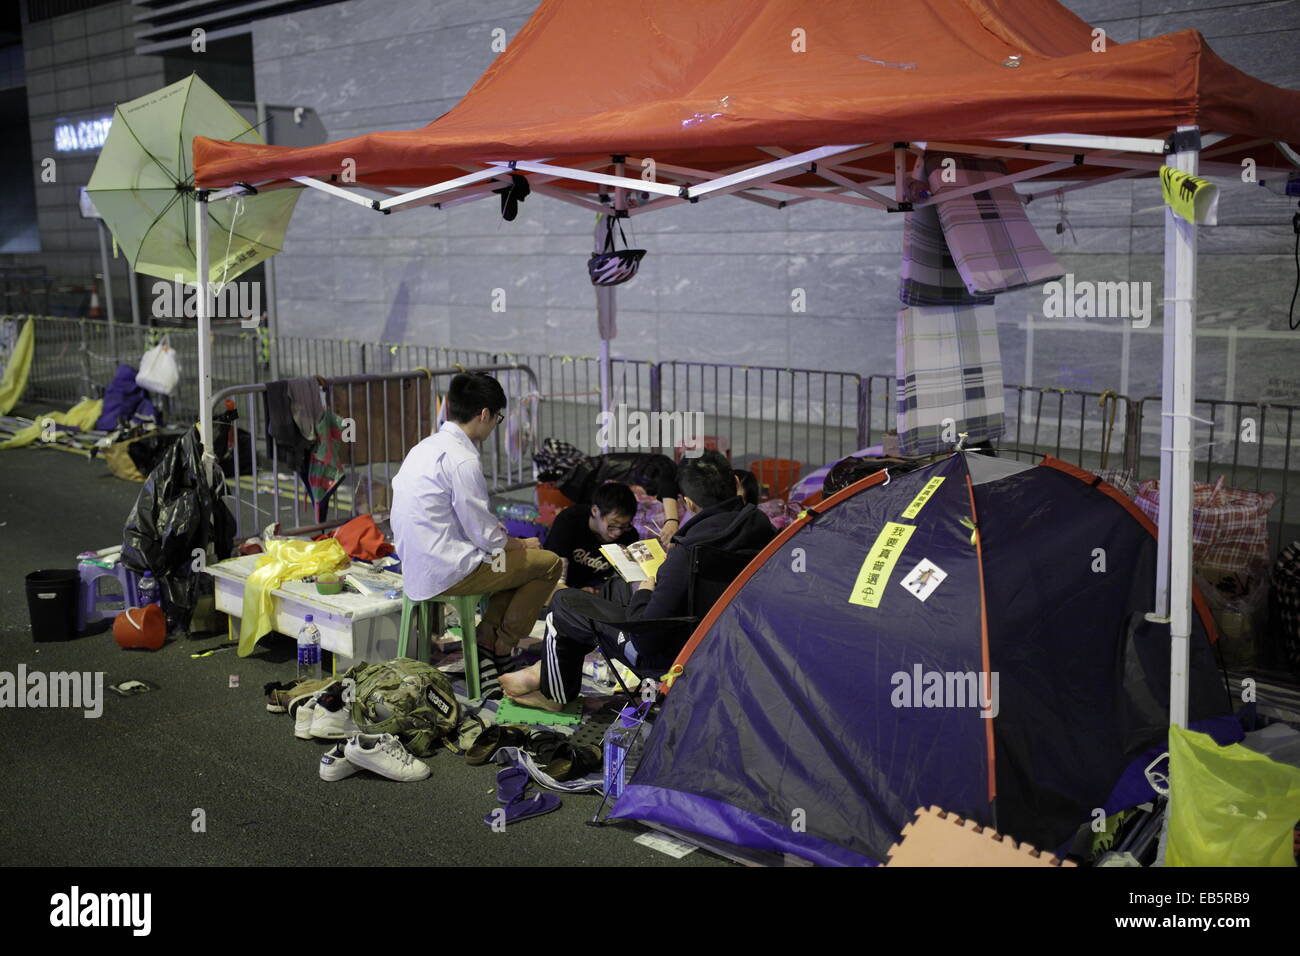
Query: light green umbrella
x=143, y=187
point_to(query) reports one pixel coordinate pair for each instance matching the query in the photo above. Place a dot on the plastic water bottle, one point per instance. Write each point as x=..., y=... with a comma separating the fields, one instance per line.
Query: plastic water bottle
x=309, y=650
x=620, y=739
x=147, y=589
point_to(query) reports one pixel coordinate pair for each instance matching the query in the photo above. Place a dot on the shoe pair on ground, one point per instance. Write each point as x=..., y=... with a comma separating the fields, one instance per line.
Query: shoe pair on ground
x=559, y=758
x=322, y=714
x=382, y=753
x=279, y=694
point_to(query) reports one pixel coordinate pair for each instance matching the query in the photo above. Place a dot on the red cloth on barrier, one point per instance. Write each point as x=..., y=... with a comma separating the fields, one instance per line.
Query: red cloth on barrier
x=361, y=538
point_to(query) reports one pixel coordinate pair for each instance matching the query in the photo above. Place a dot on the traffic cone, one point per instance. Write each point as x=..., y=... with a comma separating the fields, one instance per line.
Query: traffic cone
x=95, y=311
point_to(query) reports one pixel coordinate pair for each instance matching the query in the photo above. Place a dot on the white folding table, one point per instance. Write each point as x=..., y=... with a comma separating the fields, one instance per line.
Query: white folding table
x=352, y=626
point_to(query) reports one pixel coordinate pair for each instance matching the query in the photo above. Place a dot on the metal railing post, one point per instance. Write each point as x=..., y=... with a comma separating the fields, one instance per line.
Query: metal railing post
x=864, y=407
x=86, y=379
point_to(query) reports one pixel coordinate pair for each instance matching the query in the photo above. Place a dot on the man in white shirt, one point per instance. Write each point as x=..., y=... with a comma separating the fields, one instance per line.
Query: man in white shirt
x=449, y=540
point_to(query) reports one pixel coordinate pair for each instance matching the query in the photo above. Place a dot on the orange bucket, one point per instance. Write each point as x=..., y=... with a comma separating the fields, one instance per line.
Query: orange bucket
x=550, y=501
x=777, y=474
x=141, y=627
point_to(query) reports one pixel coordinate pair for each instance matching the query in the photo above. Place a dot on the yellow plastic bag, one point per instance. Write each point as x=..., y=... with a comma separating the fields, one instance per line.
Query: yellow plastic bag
x=1229, y=806
x=282, y=561
x=14, y=380
x=83, y=415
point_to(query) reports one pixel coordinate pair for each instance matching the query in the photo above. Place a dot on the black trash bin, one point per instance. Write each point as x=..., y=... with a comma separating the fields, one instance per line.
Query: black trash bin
x=52, y=604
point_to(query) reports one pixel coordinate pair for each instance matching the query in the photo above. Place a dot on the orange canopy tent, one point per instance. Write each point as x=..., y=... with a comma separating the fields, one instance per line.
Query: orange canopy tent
x=709, y=85
x=642, y=105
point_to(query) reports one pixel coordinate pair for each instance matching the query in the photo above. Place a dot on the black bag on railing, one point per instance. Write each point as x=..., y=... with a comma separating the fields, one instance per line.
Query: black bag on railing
x=613, y=266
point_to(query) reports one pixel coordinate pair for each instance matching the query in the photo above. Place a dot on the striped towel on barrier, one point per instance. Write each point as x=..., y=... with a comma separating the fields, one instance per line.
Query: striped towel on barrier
x=949, y=368
x=993, y=243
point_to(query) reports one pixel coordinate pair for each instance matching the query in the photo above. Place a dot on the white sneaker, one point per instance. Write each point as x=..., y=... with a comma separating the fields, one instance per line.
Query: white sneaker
x=334, y=764
x=385, y=755
x=302, y=710
x=329, y=724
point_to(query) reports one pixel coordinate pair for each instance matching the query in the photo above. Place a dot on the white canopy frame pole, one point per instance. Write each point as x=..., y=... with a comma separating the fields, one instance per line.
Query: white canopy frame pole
x=203, y=311
x=607, y=306
x=1179, y=383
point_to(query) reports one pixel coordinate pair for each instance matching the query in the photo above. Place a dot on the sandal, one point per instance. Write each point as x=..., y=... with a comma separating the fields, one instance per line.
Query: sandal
x=511, y=784
x=523, y=807
x=492, y=740
x=542, y=744
x=572, y=761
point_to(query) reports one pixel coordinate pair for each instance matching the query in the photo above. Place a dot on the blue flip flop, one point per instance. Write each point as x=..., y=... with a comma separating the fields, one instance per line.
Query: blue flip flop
x=523, y=807
x=511, y=784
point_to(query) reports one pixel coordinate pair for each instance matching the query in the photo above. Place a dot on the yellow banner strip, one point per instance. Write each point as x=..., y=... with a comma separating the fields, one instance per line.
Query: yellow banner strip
x=924, y=495
x=879, y=564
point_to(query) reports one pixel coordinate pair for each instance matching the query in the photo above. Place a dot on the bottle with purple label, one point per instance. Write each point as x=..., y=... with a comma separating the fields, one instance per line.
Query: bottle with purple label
x=147, y=589
x=309, y=650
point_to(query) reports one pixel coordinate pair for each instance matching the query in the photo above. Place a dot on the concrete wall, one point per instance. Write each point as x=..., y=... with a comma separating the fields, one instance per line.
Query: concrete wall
x=78, y=63
x=718, y=280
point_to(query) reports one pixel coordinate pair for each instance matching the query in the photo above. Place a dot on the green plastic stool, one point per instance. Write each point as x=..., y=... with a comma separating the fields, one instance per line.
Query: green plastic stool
x=466, y=605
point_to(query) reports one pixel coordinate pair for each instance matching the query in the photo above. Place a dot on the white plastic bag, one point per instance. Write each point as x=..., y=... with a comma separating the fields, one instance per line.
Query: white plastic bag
x=159, y=371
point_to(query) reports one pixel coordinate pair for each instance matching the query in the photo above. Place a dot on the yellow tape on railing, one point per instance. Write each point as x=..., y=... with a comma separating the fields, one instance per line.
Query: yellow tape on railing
x=1193, y=198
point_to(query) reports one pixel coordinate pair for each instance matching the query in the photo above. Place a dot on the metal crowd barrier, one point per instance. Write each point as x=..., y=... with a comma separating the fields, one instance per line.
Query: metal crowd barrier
x=75, y=358
x=1094, y=430
x=265, y=491
x=797, y=414
x=762, y=412
x=570, y=393
x=1249, y=444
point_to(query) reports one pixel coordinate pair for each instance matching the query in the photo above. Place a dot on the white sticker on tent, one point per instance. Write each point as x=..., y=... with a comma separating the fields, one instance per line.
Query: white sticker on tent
x=925, y=577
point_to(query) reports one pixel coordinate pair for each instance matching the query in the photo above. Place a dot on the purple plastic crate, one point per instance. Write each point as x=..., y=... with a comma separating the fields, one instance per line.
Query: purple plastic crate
x=524, y=529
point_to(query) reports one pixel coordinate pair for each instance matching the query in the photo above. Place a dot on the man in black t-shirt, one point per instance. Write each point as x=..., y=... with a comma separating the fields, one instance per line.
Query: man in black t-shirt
x=580, y=530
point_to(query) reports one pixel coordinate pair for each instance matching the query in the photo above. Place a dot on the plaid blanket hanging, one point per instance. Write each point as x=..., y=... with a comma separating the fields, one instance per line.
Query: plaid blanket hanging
x=949, y=377
x=929, y=275
x=993, y=244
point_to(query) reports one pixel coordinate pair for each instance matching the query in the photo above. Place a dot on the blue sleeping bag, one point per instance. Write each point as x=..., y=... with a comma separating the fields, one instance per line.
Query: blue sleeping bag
x=125, y=402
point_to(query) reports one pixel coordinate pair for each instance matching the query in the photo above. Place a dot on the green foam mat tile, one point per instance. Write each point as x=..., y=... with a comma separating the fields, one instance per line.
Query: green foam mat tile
x=508, y=712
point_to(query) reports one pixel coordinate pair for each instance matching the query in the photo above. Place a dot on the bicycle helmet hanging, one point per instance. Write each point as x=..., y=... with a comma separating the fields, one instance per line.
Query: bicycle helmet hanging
x=613, y=266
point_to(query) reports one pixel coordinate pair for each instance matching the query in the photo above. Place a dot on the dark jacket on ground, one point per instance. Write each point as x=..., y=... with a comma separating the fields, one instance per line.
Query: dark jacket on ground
x=730, y=525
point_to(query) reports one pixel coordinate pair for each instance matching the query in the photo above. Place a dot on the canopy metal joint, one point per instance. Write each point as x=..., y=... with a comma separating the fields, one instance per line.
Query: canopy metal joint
x=1183, y=140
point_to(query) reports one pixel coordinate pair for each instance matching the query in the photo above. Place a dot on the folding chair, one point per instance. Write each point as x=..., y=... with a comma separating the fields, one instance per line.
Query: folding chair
x=712, y=571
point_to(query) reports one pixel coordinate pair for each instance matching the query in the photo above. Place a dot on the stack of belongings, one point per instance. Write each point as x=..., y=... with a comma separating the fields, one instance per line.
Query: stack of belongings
x=1230, y=558
x=957, y=256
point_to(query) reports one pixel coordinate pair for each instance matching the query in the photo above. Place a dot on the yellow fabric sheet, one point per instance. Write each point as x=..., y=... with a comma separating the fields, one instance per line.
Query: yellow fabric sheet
x=1229, y=806
x=20, y=365
x=83, y=415
x=282, y=561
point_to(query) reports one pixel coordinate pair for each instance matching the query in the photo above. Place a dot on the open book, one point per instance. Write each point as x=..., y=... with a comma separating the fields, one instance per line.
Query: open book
x=638, y=561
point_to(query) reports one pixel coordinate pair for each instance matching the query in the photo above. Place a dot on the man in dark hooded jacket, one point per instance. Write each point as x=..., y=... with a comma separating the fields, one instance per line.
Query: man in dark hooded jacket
x=579, y=621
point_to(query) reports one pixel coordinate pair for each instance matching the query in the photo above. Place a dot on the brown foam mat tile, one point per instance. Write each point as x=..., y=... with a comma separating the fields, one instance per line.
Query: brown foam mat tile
x=939, y=838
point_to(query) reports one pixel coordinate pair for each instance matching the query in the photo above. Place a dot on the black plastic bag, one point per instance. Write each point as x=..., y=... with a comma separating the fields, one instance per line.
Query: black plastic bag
x=657, y=474
x=146, y=452
x=176, y=513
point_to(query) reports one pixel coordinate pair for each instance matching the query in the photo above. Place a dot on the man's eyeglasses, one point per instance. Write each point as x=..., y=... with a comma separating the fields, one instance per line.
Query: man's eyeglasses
x=500, y=417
